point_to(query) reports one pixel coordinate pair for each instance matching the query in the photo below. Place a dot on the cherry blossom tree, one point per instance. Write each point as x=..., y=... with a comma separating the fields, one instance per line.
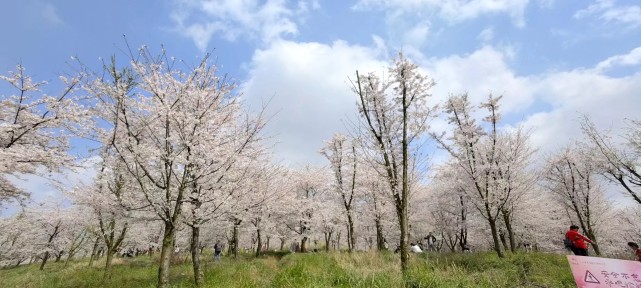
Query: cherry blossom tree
x=394, y=114
x=222, y=142
x=342, y=156
x=495, y=163
x=631, y=226
x=112, y=200
x=539, y=221
x=76, y=236
x=378, y=203
x=514, y=168
x=571, y=177
x=52, y=230
x=17, y=241
x=112, y=195
x=176, y=131
x=619, y=165
x=35, y=129
x=330, y=219
x=450, y=212
x=310, y=187
x=268, y=189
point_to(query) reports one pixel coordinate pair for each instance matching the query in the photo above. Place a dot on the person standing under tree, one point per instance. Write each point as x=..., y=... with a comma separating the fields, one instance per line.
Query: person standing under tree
x=430, y=241
x=218, y=249
x=578, y=241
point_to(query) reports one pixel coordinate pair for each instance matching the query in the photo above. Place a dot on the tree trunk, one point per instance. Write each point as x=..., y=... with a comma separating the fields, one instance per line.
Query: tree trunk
x=195, y=255
x=259, y=242
x=510, y=232
x=405, y=181
x=110, y=255
x=69, y=256
x=590, y=234
x=94, y=251
x=328, y=238
x=166, y=254
x=303, y=245
x=44, y=261
x=596, y=249
x=18, y=263
x=463, y=230
x=350, y=227
x=503, y=240
x=230, y=243
x=450, y=241
x=380, y=239
x=338, y=240
x=282, y=244
x=267, y=247
x=495, y=237
x=403, y=239
x=349, y=239
x=235, y=240
x=462, y=238
x=113, y=245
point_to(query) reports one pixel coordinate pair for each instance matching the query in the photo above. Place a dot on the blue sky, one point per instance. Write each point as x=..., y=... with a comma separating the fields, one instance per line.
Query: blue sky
x=552, y=59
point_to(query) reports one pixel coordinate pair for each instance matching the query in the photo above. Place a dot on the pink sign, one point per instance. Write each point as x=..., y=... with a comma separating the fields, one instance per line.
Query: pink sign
x=594, y=272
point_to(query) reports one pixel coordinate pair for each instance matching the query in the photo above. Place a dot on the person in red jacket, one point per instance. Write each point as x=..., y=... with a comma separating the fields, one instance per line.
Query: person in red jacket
x=579, y=247
x=635, y=247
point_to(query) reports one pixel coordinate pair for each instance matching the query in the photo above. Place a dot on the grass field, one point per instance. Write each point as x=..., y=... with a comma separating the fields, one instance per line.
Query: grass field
x=313, y=270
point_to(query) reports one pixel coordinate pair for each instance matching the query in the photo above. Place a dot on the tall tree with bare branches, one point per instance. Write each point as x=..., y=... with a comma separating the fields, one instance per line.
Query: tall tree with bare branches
x=394, y=113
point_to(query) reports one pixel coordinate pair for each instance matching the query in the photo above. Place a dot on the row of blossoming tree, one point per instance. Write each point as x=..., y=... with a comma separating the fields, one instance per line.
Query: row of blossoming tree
x=181, y=164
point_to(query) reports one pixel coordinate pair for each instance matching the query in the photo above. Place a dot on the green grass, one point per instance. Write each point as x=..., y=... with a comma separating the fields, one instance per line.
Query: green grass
x=364, y=269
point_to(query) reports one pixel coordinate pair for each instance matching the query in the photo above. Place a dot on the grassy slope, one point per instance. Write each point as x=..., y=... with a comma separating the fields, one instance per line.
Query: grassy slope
x=314, y=270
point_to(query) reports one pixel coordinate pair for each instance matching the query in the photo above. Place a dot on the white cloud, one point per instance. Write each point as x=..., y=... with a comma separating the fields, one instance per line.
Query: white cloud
x=631, y=59
x=309, y=81
x=265, y=21
x=311, y=91
x=550, y=103
x=453, y=11
x=609, y=11
x=487, y=34
x=596, y=7
x=417, y=35
x=49, y=13
x=480, y=73
x=607, y=100
x=51, y=187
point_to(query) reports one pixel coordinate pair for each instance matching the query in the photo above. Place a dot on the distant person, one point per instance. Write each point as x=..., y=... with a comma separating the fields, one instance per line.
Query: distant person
x=577, y=240
x=294, y=247
x=415, y=249
x=430, y=241
x=218, y=250
x=635, y=247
